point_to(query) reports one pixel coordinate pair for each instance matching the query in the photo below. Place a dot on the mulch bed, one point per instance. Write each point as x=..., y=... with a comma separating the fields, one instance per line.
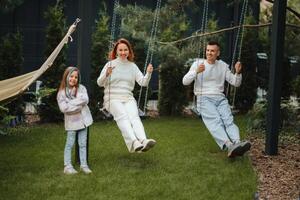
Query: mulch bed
x=279, y=175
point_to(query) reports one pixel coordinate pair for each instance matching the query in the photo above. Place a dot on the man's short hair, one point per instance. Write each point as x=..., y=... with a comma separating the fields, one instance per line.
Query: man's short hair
x=214, y=43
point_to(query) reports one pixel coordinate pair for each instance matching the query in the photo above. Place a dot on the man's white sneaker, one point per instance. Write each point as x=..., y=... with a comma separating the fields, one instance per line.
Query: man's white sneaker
x=70, y=170
x=238, y=149
x=85, y=169
x=148, y=144
x=245, y=147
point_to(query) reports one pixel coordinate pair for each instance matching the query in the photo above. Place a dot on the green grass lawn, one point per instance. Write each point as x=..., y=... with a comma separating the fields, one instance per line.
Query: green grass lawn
x=185, y=164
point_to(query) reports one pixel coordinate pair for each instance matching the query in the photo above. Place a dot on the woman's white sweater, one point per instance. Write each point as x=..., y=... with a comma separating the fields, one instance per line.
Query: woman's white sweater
x=211, y=80
x=120, y=84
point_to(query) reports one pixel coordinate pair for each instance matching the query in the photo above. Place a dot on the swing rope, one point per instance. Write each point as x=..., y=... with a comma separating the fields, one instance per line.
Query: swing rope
x=105, y=112
x=113, y=25
x=201, y=46
x=203, y=29
x=238, y=45
x=150, y=51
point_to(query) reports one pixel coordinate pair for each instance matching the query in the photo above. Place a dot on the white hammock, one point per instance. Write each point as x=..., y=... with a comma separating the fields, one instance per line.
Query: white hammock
x=12, y=87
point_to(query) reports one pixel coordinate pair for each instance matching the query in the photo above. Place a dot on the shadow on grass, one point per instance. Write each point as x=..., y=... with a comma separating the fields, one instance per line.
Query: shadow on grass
x=137, y=161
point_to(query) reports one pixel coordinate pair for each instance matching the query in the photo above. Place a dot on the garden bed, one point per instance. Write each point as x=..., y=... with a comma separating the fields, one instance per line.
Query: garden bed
x=278, y=176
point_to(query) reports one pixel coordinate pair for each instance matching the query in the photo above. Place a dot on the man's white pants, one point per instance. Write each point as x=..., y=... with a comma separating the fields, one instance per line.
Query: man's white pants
x=216, y=115
x=126, y=115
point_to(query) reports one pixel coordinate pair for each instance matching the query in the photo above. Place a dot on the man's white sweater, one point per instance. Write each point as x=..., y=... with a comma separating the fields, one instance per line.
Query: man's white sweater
x=211, y=80
x=120, y=84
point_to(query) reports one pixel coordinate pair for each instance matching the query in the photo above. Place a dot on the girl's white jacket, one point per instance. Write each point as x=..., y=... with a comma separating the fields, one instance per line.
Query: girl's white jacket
x=76, y=111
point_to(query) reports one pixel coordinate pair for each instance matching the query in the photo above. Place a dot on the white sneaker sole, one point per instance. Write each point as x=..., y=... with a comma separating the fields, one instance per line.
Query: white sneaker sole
x=70, y=173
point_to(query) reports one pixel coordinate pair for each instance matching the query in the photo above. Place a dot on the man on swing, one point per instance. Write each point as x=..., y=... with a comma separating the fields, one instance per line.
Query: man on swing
x=210, y=75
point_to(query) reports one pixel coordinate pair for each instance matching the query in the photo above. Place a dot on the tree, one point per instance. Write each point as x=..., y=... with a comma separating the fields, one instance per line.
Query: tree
x=137, y=25
x=172, y=95
x=291, y=47
x=11, y=60
x=246, y=93
x=99, y=52
x=9, y=5
x=55, y=31
x=292, y=41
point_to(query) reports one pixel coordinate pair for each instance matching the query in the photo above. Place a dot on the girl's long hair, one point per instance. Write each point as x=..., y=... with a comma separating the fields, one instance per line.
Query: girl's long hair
x=64, y=83
x=113, y=54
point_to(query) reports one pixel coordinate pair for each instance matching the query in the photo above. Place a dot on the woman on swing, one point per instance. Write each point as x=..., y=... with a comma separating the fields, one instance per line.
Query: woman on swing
x=211, y=101
x=118, y=78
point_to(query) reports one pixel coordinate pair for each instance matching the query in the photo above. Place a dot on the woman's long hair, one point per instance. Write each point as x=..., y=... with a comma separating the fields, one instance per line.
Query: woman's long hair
x=113, y=54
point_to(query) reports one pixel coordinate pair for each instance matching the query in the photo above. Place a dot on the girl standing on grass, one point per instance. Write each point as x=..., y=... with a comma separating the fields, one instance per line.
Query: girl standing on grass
x=118, y=77
x=72, y=100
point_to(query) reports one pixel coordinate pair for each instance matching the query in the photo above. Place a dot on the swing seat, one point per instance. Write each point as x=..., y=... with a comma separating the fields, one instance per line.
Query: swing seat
x=105, y=114
x=142, y=114
x=234, y=110
x=195, y=111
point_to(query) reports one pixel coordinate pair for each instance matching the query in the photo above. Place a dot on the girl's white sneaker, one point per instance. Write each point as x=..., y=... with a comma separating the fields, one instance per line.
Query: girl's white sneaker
x=85, y=169
x=70, y=170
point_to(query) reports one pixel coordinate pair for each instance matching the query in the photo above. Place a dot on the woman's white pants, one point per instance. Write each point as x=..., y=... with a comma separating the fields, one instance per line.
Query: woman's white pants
x=126, y=115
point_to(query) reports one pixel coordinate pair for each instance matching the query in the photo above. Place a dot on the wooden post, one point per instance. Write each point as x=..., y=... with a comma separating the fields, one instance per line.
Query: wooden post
x=84, y=41
x=84, y=54
x=275, y=79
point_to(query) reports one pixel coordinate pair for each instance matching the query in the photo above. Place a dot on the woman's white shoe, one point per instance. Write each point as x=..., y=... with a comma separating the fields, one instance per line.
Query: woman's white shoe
x=137, y=146
x=148, y=144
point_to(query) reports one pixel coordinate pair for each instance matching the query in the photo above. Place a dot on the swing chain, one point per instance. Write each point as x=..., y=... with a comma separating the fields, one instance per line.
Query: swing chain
x=103, y=110
x=238, y=39
x=113, y=25
x=150, y=51
x=201, y=46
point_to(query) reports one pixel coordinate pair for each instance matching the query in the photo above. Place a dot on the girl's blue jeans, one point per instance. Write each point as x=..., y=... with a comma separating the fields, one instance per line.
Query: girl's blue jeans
x=82, y=136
